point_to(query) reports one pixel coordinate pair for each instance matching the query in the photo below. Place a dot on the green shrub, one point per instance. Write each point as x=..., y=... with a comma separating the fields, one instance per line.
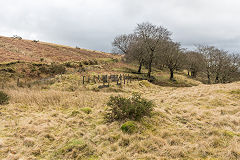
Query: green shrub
x=86, y=110
x=129, y=127
x=133, y=108
x=3, y=98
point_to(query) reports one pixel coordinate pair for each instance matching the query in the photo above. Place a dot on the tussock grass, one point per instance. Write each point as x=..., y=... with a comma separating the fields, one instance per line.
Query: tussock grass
x=187, y=123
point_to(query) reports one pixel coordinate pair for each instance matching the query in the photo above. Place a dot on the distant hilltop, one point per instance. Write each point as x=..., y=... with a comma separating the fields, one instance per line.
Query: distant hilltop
x=17, y=49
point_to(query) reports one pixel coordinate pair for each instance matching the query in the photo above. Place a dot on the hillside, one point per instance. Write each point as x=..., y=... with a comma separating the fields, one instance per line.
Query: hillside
x=201, y=122
x=30, y=61
x=53, y=114
x=13, y=49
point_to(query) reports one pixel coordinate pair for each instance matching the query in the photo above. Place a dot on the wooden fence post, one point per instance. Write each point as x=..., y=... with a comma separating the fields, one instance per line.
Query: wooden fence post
x=94, y=79
x=18, y=81
x=83, y=79
x=120, y=79
x=98, y=78
x=117, y=80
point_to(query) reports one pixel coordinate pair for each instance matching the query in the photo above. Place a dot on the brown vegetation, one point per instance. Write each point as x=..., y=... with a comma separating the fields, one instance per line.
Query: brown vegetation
x=12, y=49
x=66, y=119
x=200, y=122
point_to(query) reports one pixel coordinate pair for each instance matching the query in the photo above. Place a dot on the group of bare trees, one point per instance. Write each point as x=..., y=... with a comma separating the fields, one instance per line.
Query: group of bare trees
x=218, y=65
x=151, y=46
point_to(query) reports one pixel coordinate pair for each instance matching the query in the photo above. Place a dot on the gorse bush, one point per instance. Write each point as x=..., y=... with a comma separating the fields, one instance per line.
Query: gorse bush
x=3, y=98
x=133, y=108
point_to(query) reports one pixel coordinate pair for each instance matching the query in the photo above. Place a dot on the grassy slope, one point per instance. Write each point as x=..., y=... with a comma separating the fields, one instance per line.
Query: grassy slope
x=49, y=121
x=201, y=122
x=22, y=59
x=26, y=50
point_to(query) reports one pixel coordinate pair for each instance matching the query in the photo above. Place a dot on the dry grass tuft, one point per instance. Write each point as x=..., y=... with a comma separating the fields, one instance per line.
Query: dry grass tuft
x=200, y=122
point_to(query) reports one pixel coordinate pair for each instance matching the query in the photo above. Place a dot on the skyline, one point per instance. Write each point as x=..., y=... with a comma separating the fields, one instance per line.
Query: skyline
x=94, y=24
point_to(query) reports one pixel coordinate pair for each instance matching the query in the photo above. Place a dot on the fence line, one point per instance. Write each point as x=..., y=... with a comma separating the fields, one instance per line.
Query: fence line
x=106, y=80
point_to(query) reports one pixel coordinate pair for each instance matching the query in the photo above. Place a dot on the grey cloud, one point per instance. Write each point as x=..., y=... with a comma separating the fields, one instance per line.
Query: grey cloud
x=94, y=23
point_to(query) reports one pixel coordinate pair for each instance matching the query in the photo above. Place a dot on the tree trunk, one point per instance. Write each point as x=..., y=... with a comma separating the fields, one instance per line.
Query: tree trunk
x=171, y=74
x=209, y=80
x=149, y=70
x=217, y=79
x=140, y=67
x=150, y=65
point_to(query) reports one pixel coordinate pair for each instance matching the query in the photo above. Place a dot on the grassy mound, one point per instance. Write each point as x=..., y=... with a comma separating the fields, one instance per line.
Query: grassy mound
x=129, y=127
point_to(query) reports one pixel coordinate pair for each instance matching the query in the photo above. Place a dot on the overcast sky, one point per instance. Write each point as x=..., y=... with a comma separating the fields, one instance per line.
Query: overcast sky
x=93, y=24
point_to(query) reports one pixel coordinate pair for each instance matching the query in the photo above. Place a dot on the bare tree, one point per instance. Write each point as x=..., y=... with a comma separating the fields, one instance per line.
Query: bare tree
x=132, y=48
x=172, y=57
x=208, y=54
x=137, y=52
x=153, y=38
x=151, y=46
x=194, y=63
x=219, y=64
x=121, y=43
x=230, y=69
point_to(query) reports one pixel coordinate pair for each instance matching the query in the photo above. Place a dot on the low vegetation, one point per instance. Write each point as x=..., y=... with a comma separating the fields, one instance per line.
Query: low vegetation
x=74, y=149
x=237, y=92
x=3, y=98
x=129, y=127
x=86, y=110
x=199, y=122
x=134, y=108
x=47, y=112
